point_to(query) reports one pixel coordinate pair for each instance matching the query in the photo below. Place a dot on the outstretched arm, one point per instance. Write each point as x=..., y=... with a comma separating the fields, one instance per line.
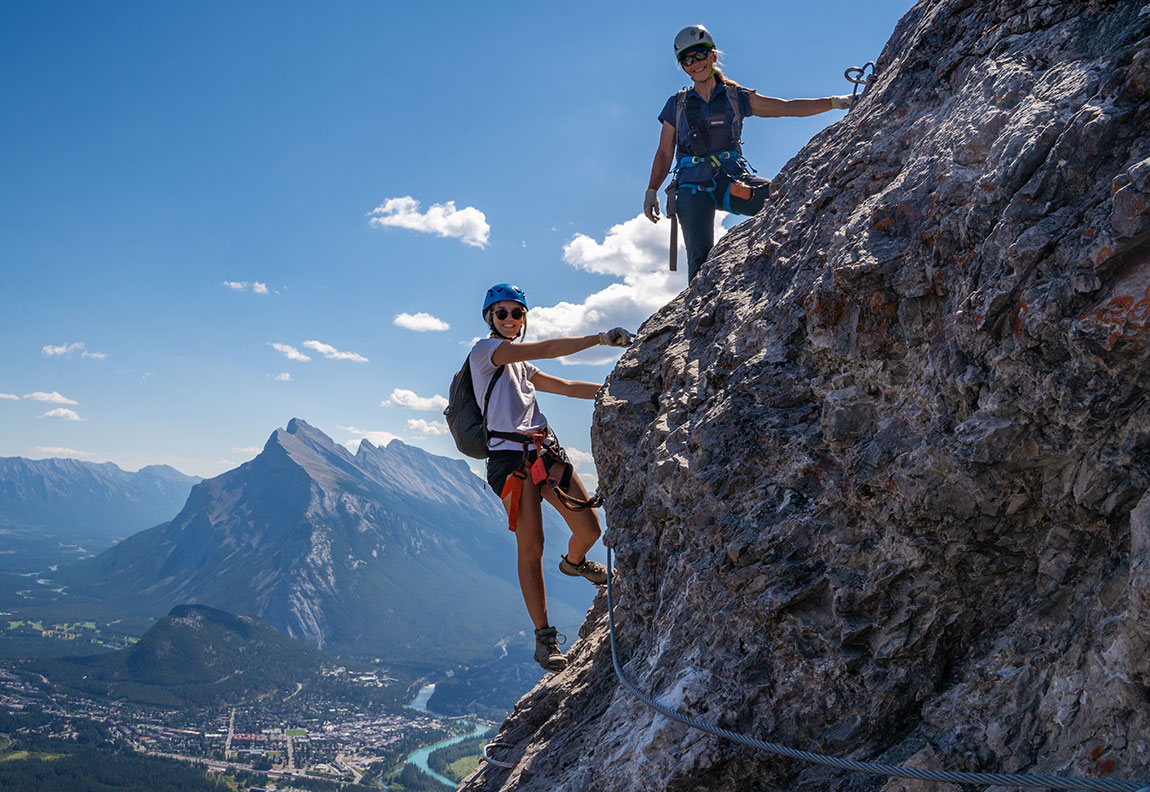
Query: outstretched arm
x=770, y=107
x=540, y=350
x=573, y=388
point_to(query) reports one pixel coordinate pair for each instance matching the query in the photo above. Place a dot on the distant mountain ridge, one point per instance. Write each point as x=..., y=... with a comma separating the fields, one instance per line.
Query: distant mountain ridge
x=390, y=552
x=49, y=503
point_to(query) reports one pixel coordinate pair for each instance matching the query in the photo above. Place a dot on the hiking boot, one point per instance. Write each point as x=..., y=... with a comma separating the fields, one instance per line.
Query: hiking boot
x=592, y=570
x=547, y=652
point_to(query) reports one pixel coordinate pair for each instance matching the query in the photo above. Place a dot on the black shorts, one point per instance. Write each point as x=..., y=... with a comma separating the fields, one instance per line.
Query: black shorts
x=501, y=464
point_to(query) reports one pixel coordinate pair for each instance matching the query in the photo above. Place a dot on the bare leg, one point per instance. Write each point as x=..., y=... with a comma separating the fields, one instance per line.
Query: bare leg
x=529, y=538
x=584, y=524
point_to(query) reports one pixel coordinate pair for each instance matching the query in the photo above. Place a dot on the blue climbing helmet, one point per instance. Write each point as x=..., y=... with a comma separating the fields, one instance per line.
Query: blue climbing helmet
x=503, y=291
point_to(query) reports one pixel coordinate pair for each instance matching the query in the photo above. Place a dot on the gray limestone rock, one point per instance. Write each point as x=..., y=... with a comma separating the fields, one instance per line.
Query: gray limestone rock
x=878, y=481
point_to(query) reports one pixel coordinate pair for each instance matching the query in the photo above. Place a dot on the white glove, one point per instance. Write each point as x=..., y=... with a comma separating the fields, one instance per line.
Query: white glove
x=651, y=205
x=842, y=102
x=616, y=337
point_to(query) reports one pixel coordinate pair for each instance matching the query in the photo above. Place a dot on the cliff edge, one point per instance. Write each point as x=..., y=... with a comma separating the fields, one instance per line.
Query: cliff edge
x=877, y=482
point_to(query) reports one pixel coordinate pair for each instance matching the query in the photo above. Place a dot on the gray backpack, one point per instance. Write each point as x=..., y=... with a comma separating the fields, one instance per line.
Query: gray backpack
x=464, y=418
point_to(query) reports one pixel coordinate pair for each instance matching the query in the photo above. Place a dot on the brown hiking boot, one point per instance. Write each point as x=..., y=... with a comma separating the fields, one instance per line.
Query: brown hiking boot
x=547, y=652
x=592, y=570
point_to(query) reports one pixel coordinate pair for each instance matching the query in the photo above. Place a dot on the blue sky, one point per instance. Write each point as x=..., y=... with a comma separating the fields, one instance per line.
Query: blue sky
x=199, y=195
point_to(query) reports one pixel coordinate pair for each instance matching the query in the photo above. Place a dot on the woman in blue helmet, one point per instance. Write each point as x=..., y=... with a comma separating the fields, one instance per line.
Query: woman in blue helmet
x=519, y=473
x=700, y=137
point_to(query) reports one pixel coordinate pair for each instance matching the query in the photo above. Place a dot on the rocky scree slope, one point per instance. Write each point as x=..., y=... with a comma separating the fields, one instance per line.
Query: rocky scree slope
x=878, y=481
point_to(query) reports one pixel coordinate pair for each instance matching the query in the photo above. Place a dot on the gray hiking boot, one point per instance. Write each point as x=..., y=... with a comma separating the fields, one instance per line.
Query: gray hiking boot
x=547, y=652
x=592, y=570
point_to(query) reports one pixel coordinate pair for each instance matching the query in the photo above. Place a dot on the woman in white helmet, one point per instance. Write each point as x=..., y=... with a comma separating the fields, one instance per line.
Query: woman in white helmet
x=700, y=137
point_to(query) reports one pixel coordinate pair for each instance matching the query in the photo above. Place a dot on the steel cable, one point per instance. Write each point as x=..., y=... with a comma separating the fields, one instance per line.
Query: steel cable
x=895, y=771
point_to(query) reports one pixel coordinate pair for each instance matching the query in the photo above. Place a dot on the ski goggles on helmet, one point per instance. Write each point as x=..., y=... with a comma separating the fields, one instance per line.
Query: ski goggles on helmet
x=699, y=53
x=514, y=313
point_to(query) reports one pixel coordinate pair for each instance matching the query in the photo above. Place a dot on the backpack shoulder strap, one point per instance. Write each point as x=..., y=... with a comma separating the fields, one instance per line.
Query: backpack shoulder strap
x=680, y=107
x=737, y=124
x=490, y=387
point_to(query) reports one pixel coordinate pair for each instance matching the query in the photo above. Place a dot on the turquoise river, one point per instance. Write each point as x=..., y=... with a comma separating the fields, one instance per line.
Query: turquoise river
x=419, y=757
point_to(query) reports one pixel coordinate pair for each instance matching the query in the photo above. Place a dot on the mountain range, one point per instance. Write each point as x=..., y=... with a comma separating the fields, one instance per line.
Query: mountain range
x=56, y=510
x=390, y=552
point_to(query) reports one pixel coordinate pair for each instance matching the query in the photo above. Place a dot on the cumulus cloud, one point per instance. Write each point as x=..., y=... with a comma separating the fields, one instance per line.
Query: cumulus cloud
x=9, y=396
x=469, y=225
x=420, y=426
x=66, y=350
x=57, y=451
x=290, y=352
x=420, y=322
x=284, y=377
x=50, y=398
x=255, y=287
x=580, y=458
x=331, y=353
x=63, y=413
x=634, y=251
x=405, y=398
x=375, y=438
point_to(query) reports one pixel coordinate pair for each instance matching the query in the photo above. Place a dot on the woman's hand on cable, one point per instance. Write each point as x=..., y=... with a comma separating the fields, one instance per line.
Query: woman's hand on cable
x=616, y=336
x=651, y=205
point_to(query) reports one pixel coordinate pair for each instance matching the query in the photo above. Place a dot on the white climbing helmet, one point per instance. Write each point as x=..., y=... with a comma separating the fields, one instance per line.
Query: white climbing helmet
x=692, y=36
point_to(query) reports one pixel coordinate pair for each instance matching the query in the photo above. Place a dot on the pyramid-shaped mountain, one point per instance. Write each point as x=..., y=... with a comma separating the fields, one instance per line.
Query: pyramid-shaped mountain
x=391, y=552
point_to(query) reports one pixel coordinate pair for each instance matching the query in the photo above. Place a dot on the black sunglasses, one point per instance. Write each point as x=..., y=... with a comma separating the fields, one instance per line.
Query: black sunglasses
x=690, y=56
x=514, y=313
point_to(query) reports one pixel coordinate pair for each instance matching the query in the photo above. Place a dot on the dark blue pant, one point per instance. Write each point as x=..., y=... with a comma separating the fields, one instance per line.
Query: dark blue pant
x=696, y=214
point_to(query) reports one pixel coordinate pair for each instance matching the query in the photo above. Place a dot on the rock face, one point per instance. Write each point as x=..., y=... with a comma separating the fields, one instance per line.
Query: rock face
x=878, y=481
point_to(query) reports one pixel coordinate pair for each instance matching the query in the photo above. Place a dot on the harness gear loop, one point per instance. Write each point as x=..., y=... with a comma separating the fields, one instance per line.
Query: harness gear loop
x=858, y=75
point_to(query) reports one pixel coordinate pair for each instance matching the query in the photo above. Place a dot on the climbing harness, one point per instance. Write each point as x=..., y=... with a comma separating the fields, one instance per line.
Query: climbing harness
x=858, y=75
x=894, y=771
x=539, y=470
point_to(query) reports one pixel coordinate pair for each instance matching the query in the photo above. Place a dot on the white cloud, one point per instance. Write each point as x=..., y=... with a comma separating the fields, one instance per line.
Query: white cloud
x=636, y=252
x=423, y=427
x=405, y=398
x=255, y=287
x=469, y=225
x=63, y=413
x=420, y=322
x=284, y=377
x=331, y=353
x=580, y=458
x=57, y=451
x=66, y=350
x=375, y=438
x=290, y=352
x=61, y=351
x=9, y=396
x=248, y=450
x=50, y=398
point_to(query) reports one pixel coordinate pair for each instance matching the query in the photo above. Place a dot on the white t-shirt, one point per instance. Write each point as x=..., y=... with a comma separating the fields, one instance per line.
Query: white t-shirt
x=513, y=407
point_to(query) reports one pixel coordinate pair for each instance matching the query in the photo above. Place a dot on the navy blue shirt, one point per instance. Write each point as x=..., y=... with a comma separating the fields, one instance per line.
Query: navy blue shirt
x=717, y=104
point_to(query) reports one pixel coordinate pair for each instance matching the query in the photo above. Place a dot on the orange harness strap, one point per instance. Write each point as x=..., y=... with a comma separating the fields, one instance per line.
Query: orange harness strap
x=513, y=487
